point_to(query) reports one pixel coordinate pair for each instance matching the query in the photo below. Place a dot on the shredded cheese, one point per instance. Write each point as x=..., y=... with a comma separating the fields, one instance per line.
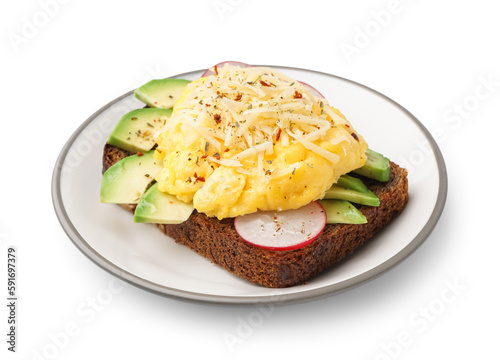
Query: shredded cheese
x=253, y=150
x=252, y=108
x=225, y=162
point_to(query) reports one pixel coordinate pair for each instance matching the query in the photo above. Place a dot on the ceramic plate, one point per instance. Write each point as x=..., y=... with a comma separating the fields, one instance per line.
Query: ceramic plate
x=141, y=255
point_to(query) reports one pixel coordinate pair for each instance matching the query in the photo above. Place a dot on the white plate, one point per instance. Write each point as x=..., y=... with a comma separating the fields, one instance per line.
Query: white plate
x=141, y=255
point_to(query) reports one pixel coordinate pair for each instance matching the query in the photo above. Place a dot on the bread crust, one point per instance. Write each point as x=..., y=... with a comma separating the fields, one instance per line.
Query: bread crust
x=218, y=240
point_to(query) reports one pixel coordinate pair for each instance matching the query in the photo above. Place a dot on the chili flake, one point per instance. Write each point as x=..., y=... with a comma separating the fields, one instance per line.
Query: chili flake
x=199, y=178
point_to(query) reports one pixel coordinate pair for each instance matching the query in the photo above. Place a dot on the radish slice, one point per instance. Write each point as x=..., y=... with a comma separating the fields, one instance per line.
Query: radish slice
x=284, y=230
x=312, y=90
x=209, y=71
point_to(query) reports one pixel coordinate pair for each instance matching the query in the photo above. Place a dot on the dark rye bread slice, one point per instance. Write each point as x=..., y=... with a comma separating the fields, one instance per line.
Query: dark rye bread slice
x=219, y=241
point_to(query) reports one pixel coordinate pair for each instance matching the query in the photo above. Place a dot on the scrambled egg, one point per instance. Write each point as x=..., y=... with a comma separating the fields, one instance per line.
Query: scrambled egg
x=251, y=139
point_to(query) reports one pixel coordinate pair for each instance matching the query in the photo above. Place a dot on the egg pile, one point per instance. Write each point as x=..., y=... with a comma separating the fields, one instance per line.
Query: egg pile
x=248, y=139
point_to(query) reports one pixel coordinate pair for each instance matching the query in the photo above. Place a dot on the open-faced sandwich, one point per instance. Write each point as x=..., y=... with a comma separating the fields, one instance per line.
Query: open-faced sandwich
x=252, y=169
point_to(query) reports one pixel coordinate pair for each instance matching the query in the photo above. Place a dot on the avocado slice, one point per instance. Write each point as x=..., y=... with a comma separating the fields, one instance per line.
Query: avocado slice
x=343, y=193
x=125, y=181
x=161, y=93
x=161, y=208
x=135, y=130
x=342, y=212
x=352, y=183
x=376, y=167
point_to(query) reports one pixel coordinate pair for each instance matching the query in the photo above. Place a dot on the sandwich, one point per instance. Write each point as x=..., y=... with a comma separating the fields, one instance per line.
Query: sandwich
x=253, y=170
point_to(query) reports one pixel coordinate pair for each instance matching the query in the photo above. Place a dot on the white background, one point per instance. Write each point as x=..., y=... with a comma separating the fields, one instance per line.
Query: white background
x=63, y=61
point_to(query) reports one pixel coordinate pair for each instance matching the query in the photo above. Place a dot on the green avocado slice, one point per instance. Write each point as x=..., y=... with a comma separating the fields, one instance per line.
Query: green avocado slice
x=161, y=93
x=352, y=183
x=125, y=181
x=377, y=167
x=161, y=208
x=342, y=212
x=135, y=131
x=343, y=193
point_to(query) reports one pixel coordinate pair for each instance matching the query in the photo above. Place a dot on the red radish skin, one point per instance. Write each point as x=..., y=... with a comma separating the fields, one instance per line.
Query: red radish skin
x=209, y=71
x=313, y=90
x=285, y=230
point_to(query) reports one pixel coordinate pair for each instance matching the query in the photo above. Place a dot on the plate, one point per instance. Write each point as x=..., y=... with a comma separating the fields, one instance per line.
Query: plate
x=141, y=255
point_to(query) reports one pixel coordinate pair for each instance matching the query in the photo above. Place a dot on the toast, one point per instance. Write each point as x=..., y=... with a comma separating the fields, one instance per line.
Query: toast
x=218, y=241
